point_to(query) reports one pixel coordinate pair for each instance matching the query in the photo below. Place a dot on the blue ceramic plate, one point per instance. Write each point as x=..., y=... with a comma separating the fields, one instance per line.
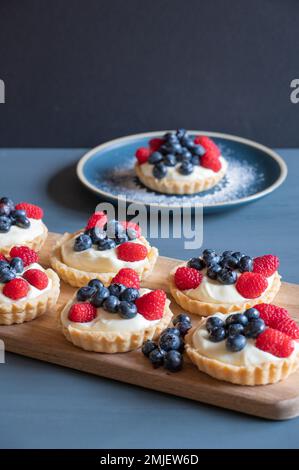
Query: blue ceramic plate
x=253, y=172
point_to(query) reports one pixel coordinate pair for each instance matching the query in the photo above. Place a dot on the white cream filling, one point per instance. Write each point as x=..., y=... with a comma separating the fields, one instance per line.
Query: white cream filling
x=18, y=235
x=33, y=291
x=93, y=260
x=199, y=172
x=248, y=356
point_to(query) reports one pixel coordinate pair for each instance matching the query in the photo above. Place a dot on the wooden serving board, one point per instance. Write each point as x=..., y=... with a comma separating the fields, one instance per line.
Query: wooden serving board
x=42, y=339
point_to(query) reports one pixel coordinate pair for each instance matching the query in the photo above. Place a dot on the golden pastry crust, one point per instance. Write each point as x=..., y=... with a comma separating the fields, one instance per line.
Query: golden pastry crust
x=21, y=311
x=35, y=244
x=78, y=278
x=114, y=342
x=263, y=374
x=179, y=187
x=205, y=309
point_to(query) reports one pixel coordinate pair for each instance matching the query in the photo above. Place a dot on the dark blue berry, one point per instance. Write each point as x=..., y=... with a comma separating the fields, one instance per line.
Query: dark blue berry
x=245, y=264
x=237, y=318
x=210, y=257
x=176, y=148
x=172, y=330
x=235, y=329
x=168, y=341
x=131, y=233
x=7, y=274
x=254, y=328
x=156, y=357
x=180, y=133
x=122, y=239
x=116, y=289
x=182, y=317
x=17, y=265
x=111, y=304
x=5, y=224
x=18, y=213
x=170, y=137
x=238, y=255
x=159, y=171
x=227, y=277
x=229, y=262
x=96, y=234
x=4, y=209
x=213, y=271
x=22, y=221
x=183, y=327
x=196, y=263
x=227, y=253
x=85, y=293
x=127, y=309
x=130, y=294
x=252, y=313
x=198, y=150
x=214, y=322
x=217, y=334
x=114, y=229
x=148, y=346
x=170, y=160
x=83, y=242
x=98, y=298
x=8, y=202
x=186, y=155
x=155, y=157
x=173, y=361
x=107, y=244
x=186, y=168
x=235, y=343
x=96, y=283
x=195, y=160
x=4, y=264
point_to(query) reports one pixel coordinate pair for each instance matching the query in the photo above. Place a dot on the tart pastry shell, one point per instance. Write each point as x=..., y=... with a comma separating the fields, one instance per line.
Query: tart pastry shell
x=180, y=187
x=115, y=342
x=21, y=311
x=78, y=278
x=35, y=244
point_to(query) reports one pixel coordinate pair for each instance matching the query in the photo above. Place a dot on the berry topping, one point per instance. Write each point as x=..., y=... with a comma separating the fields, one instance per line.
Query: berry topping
x=131, y=252
x=211, y=160
x=142, y=154
x=170, y=341
x=98, y=219
x=266, y=265
x=148, y=346
x=217, y=334
x=156, y=357
x=9, y=215
x=173, y=361
x=127, y=310
x=82, y=313
x=251, y=285
x=16, y=289
x=155, y=144
x=82, y=242
x=36, y=278
x=151, y=305
x=129, y=227
x=235, y=343
x=128, y=277
x=275, y=342
x=187, y=278
x=182, y=317
x=207, y=144
x=31, y=210
x=27, y=255
x=279, y=319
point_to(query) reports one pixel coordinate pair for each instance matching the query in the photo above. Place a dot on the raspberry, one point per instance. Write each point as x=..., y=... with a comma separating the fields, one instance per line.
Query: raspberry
x=128, y=277
x=155, y=144
x=187, y=278
x=151, y=305
x=211, y=160
x=142, y=154
x=82, y=313
x=275, y=342
x=208, y=144
x=135, y=227
x=16, y=289
x=251, y=285
x=26, y=254
x=36, y=278
x=32, y=211
x=279, y=319
x=266, y=265
x=129, y=251
x=98, y=219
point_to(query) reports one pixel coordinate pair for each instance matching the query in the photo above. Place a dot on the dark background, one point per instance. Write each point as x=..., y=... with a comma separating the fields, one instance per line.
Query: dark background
x=83, y=71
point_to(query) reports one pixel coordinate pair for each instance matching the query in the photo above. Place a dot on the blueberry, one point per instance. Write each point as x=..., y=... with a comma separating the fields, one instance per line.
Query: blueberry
x=107, y=244
x=217, y=334
x=236, y=318
x=186, y=168
x=22, y=221
x=176, y=148
x=130, y=294
x=148, y=346
x=127, y=309
x=186, y=155
x=17, y=265
x=180, y=133
x=5, y=224
x=114, y=229
x=168, y=341
x=195, y=160
x=116, y=289
x=235, y=343
x=4, y=264
x=235, y=329
x=111, y=304
x=196, y=263
x=227, y=277
x=182, y=317
x=131, y=233
x=213, y=271
x=173, y=361
x=170, y=160
x=98, y=298
x=18, y=213
x=96, y=283
x=83, y=242
x=252, y=313
x=156, y=357
x=85, y=293
x=96, y=234
x=8, y=202
x=159, y=171
x=170, y=137
x=210, y=257
x=172, y=330
x=165, y=149
x=254, y=328
x=237, y=255
x=122, y=239
x=155, y=157
x=4, y=209
x=183, y=327
x=214, y=322
x=227, y=253
x=198, y=150
x=7, y=274
x=245, y=264
x=229, y=262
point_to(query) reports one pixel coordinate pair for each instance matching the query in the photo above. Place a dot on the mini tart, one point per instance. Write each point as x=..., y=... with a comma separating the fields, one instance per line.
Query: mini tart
x=78, y=278
x=90, y=339
x=35, y=244
x=172, y=186
x=205, y=309
x=20, y=311
x=261, y=374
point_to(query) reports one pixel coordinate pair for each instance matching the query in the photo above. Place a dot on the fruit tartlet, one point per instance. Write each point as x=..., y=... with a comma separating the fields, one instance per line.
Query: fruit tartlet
x=21, y=224
x=230, y=282
x=26, y=289
x=257, y=347
x=180, y=164
x=117, y=318
x=100, y=250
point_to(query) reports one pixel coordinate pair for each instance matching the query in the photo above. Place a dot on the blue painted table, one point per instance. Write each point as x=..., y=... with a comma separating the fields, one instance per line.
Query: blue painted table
x=49, y=406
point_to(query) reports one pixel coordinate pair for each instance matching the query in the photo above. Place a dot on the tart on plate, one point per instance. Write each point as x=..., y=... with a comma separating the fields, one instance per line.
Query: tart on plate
x=27, y=290
x=21, y=224
x=117, y=318
x=257, y=347
x=100, y=250
x=180, y=164
x=227, y=282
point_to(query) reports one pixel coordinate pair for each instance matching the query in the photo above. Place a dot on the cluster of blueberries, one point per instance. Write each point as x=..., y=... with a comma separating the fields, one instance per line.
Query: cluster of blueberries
x=222, y=267
x=116, y=298
x=168, y=352
x=10, y=216
x=236, y=328
x=9, y=269
x=178, y=147
x=111, y=235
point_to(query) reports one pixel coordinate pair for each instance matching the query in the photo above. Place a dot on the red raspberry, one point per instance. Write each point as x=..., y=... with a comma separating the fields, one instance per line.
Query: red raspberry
x=251, y=285
x=187, y=278
x=129, y=251
x=128, y=277
x=26, y=254
x=155, y=144
x=32, y=211
x=208, y=144
x=275, y=342
x=266, y=265
x=82, y=313
x=98, y=219
x=2, y=257
x=279, y=319
x=151, y=305
x=36, y=278
x=16, y=289
x=211, y=160
x=142, y=154
x=135, y=227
